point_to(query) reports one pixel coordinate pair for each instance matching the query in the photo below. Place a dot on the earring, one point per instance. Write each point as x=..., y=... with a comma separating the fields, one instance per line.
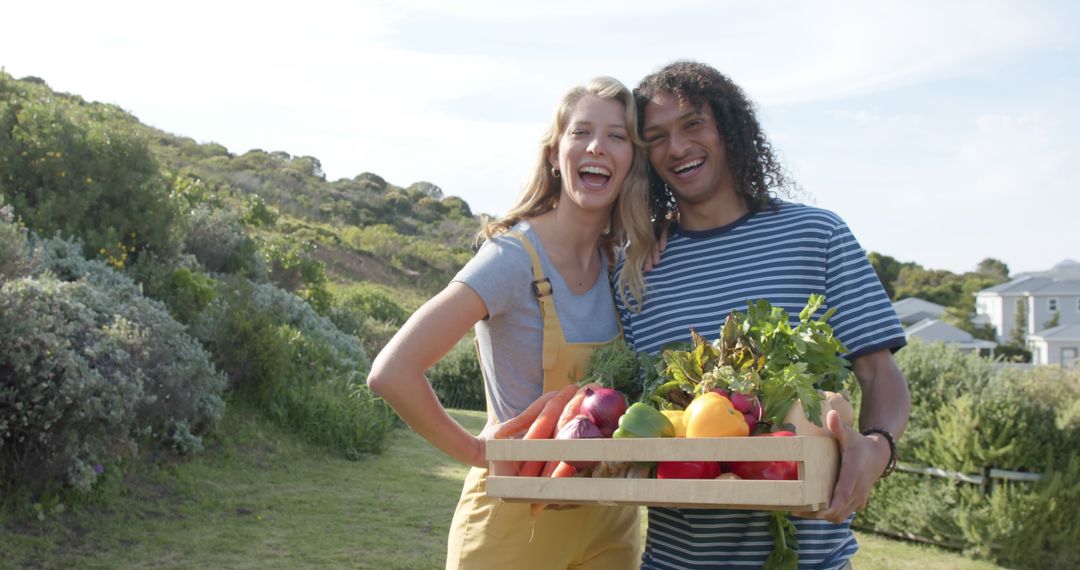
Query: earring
x=555, y=172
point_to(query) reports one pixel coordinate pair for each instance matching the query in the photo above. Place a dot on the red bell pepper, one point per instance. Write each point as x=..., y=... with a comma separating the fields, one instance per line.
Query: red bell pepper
x=767, y=470
x=687, y=470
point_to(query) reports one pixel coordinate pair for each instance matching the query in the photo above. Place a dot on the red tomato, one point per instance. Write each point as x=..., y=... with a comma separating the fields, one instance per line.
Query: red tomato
x=687, y=470
x=767, y=470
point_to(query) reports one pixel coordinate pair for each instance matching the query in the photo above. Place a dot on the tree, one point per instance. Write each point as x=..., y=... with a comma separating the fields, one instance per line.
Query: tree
x=1054, y=321
x=426, y=189
x=934, y=285
x=993, y=268
x=1018, y=336
x=961, y=319
x=457, y=207
x=887, y=269
x=81, y=170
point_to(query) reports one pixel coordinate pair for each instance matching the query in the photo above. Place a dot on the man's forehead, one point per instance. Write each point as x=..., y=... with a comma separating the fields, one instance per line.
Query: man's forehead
x=669, y=105
x=669, y=98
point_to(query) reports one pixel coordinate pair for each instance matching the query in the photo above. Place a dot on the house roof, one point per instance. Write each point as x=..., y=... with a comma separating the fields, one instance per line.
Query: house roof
x=1068, y=333
x=1060, y=288
x=912, y=310
x=1019, y=285
x=911, y=304
x=933, y=330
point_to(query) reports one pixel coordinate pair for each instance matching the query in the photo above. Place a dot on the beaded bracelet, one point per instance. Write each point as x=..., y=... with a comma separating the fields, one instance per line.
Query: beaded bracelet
x=892, y=448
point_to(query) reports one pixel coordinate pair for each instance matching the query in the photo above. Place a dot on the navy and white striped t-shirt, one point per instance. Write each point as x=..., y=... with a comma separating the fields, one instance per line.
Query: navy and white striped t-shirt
x=781, y=256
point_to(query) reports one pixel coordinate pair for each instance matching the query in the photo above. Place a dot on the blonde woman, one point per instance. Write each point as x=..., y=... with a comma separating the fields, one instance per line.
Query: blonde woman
x=538, y=294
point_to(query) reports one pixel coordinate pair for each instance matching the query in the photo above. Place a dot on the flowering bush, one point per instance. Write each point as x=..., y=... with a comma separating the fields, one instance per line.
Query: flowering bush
x=91, y=367
x=71, y=385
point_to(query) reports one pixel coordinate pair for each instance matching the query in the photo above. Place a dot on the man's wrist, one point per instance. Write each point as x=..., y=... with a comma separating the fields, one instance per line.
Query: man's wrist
x=888, y=437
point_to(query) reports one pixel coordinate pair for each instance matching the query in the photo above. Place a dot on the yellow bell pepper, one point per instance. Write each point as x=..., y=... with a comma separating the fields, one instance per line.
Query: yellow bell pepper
x=676, y=417
x=712, y=415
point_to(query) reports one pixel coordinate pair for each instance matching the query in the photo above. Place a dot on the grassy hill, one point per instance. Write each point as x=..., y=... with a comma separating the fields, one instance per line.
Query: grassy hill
x=367, y=229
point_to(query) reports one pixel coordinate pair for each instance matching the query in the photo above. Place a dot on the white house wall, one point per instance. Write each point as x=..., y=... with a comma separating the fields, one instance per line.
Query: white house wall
x=1040, y=352
x=994, y=309
x=1033, y=322
x=1049, y=351
x=1008, y=316
x=1001, y=310
x=1068, y=313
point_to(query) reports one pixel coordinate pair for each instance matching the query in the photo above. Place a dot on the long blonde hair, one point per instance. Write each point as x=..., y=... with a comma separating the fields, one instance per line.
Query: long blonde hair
x=630, y=214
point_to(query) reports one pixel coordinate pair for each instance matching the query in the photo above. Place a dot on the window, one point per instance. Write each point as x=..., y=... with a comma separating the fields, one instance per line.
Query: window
x=1078, y=304
x=1069, y=355
x=1051, y=305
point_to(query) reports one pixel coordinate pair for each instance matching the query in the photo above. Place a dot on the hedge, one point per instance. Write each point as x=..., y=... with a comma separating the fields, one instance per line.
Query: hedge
x=968, y=415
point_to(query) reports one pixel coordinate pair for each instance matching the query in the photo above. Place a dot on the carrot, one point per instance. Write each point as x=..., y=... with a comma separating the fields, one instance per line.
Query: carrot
x=549, y=468
x=563, y=469
x=573, y=407
x=544, y=426
x=522, y=421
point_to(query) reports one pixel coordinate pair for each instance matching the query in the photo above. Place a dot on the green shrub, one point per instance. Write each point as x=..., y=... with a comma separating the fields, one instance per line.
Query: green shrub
x=371, y=301
x=921, y=505
x=219, y=239
x=183, y=390
x=70, y=390
x=14, y=255
x=458, y=380
x=373, y=334
x=968, y=415
x=345, y=418
x=1027, y=525
x=295, y=365
x=181, y=284
x=936, y=376
x=292, y=267
x=92, y=369
x=1011, y=353
x=252, y=348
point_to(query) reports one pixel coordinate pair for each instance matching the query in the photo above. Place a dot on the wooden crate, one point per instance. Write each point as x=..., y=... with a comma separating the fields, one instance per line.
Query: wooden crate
x=818, y=460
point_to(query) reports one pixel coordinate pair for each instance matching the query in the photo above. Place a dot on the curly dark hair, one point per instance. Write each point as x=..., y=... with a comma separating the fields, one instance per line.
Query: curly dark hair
x=757, y=172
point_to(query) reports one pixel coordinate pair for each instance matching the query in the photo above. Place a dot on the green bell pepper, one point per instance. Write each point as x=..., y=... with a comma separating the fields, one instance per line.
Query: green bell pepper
x=642, y=420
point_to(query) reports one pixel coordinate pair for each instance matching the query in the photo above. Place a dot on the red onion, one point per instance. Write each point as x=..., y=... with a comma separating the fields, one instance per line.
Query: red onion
x=751, y=421
x=581, y=427
x=741, y=402
x=604, y=406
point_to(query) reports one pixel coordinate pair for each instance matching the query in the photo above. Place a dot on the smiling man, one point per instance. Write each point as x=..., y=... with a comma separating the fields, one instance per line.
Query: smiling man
x=735, y=240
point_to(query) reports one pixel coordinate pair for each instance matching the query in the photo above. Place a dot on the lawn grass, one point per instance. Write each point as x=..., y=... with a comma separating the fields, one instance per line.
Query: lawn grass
x=261, y=498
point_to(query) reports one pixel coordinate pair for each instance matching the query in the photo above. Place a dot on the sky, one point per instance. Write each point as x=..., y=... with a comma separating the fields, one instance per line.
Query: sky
x=943, y=132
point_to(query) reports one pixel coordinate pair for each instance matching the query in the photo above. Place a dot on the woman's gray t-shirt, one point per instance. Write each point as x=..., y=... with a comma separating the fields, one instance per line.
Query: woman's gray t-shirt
x=511, y=338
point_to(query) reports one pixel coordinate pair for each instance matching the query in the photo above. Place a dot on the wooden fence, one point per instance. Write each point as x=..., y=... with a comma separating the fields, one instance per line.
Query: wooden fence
x=985, y=480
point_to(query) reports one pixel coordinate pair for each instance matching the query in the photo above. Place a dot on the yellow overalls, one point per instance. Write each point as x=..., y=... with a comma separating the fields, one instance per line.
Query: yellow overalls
x=489, y=533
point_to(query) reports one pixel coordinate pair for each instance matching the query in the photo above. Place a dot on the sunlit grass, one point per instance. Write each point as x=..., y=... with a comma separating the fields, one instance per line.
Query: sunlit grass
x=260, y=498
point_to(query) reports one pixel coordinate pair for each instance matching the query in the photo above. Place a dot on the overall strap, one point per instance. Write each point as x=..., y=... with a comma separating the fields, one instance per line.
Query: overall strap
x=614, y=286
x=541, y=287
